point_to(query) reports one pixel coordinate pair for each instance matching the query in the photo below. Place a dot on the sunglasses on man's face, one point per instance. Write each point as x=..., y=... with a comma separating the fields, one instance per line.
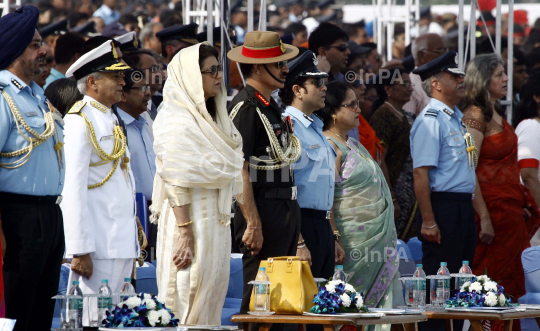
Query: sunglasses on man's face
x=281, y=64
x=213, y=70
x=143, y=88
x=341, y=48
x=318, y=82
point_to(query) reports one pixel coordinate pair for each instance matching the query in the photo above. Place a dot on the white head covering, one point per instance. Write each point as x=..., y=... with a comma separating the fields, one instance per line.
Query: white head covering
x=193, y=150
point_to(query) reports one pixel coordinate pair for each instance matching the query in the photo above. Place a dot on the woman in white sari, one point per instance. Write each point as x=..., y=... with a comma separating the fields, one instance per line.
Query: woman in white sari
x=199, y=160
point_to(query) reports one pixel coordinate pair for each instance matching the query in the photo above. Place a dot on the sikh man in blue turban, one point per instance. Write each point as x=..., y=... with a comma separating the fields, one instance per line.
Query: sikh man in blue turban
x=31, y=176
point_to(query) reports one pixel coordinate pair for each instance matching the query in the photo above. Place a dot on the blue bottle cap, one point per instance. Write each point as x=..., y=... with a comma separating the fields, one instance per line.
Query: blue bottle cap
x=466, y=262
x=419, y=266
x=443, y=264
x=75, y=282
x=104, y=281
x=262, y=269
x=127, y=280
x=339, y=267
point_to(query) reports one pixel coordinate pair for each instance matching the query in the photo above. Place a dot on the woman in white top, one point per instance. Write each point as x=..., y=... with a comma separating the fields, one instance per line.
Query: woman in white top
x=199, y=161
x=528, y=132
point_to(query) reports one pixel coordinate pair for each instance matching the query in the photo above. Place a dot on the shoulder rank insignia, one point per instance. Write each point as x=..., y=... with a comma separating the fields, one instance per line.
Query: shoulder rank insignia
x=99, y=106
x=16, y=83
x=447, y=112
x=77, y=107
x=263, y=100
x=431, y=113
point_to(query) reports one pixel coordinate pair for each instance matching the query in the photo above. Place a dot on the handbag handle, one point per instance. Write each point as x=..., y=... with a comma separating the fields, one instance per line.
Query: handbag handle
x=289, y=259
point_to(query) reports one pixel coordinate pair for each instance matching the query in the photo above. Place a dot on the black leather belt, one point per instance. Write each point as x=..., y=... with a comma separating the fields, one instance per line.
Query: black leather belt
x=31, y=199
x=317, y=214
x=287, y=193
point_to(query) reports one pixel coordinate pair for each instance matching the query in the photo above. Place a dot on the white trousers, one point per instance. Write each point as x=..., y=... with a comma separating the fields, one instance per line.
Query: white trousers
x=114, y=270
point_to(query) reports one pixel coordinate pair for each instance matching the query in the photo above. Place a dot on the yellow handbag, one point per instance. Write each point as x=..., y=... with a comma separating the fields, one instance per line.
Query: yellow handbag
x=293, y=287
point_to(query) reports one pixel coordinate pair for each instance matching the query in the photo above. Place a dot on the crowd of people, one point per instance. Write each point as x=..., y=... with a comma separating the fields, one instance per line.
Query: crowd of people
x=325, y=151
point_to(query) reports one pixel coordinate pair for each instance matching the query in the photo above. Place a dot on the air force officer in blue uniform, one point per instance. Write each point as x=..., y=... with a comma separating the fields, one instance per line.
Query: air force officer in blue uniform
x=444, y=177
x=32, y=172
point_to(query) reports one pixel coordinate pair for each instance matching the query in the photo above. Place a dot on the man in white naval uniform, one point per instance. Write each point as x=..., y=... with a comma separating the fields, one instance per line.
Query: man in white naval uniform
x=99, y=204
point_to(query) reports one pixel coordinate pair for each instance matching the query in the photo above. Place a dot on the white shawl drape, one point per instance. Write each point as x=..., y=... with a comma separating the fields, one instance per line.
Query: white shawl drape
x=193, y=151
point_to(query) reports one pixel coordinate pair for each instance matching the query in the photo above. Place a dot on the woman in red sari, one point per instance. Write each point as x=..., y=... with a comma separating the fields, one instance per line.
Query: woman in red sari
x=500, y=200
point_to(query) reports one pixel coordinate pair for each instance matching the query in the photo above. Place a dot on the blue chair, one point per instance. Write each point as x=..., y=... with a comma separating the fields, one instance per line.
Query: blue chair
x=406, y=262
x=62, y=290
x=146, y=279
x=415, y=245
x=233, y=298
x=530, y=258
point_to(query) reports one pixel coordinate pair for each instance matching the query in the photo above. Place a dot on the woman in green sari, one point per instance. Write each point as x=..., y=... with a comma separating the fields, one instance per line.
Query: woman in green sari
x=363, y=208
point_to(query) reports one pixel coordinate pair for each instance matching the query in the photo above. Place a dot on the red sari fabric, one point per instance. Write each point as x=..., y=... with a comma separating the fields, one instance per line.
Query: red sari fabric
x=498, y=174
x=369, y=139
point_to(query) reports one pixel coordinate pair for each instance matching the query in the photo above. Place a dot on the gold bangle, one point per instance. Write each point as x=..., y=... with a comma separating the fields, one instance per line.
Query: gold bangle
x=337, y=232
x=394, y=199
x=184, y=224
x=301, y=242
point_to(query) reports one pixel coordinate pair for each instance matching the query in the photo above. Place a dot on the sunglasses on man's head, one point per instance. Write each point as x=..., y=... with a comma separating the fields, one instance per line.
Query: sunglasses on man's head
x=213, y=70
x=341, y=48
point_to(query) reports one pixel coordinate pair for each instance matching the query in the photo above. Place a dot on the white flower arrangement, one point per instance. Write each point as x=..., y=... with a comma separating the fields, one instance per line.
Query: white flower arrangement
x=330, y=288
x=133, y=302
x=476, y=286
x=490, y=286
x=153, y=317
x=465, y=285
x=349, y=287
x=345, y=300
x=338, y=297
x=481, y=291
x=359, y=302
x=502, y=299
x=490, y=299
x=142, y=310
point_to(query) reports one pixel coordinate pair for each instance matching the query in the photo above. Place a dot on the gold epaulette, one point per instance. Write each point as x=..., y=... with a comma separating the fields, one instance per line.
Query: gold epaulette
x=77, y=107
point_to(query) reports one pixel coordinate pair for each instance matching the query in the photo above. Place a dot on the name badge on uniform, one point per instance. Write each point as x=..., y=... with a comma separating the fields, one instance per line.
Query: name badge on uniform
x=31, y=114
x=314, y=146
x=453, y=133
x=106, y=138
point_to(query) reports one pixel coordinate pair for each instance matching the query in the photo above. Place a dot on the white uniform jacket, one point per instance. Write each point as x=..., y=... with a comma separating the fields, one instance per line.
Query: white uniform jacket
x=101, y=220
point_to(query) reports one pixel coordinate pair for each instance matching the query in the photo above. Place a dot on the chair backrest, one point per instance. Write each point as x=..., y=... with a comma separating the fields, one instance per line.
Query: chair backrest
x=406, y=261
x=415, y=246
x=146, y=280
x=530, y=258
x=403, y=251
x=236, y=279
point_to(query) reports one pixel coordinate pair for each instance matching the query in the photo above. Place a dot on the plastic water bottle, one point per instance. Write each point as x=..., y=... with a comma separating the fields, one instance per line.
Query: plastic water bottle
x=443, y=285
x=339, y=274
x=104, y=300
x=465, y=269
x=419, y=287
x=127, y=288
x=75, y=311
x=262, y=292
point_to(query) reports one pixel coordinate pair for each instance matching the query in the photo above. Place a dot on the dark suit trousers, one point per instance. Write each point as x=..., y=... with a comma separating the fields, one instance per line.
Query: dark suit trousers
x=454, y=214
x=281, y=223
x=34, y=249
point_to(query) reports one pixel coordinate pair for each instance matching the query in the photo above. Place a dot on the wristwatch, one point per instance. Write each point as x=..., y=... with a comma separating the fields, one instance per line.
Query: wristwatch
x=337, y=236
